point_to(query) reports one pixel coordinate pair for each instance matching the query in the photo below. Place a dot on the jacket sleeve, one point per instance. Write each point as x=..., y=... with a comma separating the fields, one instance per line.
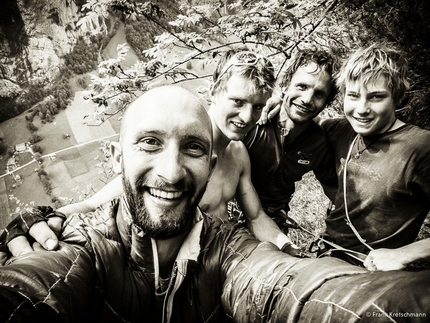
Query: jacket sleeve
x=52, y=286
x=263, y=284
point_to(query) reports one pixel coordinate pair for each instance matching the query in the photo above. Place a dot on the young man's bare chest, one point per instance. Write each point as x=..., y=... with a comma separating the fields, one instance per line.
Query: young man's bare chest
x=222, y=185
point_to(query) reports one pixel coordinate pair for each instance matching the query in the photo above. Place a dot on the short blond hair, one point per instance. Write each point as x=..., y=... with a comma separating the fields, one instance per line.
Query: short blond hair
x=261, y=74
x=368, y=64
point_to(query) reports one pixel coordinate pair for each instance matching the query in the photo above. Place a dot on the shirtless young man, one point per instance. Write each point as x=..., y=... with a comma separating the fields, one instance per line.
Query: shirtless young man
x=243, y=81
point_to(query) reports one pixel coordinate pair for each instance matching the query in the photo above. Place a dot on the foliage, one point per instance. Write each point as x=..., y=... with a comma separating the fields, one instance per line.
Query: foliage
x=204, y=29
x=81, y=82
x=104, y=162
x=37, y=149
x=3, y=147
x=32, y=95
x=19, y=205
x=35, y=138
x=140, y=32
x=38, y=157
x=84, y=56
x=44, y=178
x=200, y=34
x=31, y=126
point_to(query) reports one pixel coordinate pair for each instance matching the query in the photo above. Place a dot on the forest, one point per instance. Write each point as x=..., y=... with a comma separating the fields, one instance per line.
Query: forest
x=195, y=32
x=203, y=29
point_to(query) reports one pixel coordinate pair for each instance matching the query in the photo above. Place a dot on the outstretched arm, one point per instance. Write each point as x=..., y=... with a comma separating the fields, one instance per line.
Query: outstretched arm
x=46, y=232
x=107, y=193
x=395, y=259
x=260, y=224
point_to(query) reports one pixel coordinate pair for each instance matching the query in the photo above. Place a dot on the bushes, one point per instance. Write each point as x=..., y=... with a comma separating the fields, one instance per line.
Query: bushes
x=38, y=157
x=37, y=149
x=140, y=33
x=3, y=147
x=82, y=82
x=31, y=127
x=35, y=138
x=60, y=91
x=83, y=58
x=44, y=178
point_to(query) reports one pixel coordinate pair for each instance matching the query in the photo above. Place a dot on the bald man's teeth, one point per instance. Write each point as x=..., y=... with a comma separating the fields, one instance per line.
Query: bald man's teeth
x=165, y=194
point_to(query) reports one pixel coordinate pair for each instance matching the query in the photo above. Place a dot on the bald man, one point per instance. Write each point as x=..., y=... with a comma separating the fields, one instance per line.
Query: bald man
x=152, y=254
x=238, y=94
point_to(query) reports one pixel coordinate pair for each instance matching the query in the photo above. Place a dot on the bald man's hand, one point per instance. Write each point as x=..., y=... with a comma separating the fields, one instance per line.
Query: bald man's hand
x=33, y=230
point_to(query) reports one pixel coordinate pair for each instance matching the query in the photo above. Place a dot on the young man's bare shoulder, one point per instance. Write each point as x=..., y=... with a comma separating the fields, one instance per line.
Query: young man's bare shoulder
x=238, y=153
x=237, y=148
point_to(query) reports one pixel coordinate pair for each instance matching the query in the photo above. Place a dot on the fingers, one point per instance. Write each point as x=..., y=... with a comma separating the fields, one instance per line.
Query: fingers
x=56, y=223
x=19, y=245
x=292, y=250
x=43, y=234
x=274, y=111
x=369, y=262
x=38, y=247
x=271, y=108
x=3, y=258
x=264, y=115
x=370, y=266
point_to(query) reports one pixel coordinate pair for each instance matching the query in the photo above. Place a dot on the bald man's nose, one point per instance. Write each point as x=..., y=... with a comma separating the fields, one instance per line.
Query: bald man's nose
x=169, y=165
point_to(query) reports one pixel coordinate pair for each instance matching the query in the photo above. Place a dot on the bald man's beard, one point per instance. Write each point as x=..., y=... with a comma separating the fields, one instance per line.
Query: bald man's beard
x=170, y=222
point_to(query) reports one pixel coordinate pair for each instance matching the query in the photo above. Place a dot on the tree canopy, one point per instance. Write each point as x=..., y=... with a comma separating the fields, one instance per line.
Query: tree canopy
x=205, y=28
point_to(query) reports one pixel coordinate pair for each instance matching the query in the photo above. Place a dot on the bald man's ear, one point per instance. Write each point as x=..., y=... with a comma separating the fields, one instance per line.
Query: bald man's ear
x=116, y=152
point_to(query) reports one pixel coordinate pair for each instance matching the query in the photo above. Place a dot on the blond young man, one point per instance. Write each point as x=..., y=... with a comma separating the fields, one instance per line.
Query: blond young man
x=383, y=164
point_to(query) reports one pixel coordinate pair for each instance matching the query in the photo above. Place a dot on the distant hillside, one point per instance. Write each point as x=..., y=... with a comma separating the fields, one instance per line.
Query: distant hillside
x=41, y=45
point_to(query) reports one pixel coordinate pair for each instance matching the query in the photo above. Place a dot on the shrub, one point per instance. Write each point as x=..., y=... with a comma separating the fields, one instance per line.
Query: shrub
x=81, y=82
x=37, y=149
x=31, y=127
x=3, y=147
x=38, y=157
x=35, y=138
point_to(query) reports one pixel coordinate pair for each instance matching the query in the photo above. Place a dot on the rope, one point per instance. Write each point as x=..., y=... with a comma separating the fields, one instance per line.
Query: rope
x=348, y=220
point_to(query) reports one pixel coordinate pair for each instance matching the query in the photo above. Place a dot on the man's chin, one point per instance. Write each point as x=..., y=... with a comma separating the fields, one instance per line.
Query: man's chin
x=159, y=221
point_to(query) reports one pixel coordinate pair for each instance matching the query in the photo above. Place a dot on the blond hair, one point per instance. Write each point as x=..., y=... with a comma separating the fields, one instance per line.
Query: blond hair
x=368, y=64
x=261, y=74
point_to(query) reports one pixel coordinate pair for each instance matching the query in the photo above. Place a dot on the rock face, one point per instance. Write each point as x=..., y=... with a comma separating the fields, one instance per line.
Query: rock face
x=39, y=33
x=34, y=36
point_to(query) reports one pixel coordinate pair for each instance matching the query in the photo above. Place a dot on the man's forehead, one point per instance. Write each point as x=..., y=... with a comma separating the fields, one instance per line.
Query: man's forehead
x=245, y=88
x=187, y=125
x=171, y=110
x=312, y=74
x=314, y=69
x=375, y=83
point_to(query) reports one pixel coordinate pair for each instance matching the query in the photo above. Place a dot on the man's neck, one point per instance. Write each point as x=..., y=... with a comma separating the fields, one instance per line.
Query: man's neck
x=293, y=129
x=167, y=252
x=220, y=141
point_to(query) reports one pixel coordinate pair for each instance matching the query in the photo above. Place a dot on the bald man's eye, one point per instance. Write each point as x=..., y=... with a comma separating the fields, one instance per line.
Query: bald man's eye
x=195, y=149
x=149, y=144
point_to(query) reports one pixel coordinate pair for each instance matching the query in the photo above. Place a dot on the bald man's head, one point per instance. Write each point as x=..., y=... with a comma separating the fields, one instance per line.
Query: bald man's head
x=165, y=157
x=172, y=99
